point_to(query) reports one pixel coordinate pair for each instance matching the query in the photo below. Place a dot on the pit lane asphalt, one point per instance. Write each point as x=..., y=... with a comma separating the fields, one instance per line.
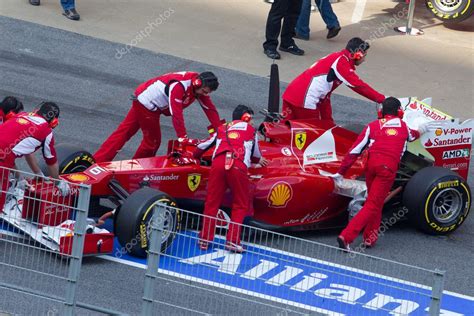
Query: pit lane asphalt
x=92, y=86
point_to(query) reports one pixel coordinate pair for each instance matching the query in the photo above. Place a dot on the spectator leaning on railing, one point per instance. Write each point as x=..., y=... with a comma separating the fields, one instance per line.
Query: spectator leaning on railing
x=69, y=8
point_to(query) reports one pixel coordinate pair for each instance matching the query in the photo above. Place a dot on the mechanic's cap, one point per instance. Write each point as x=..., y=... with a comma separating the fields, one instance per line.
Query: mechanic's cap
x=49, y=110
x=390, y=106
x=240, y=110
x=11, y=104
x=209, y=80
x=357, y=44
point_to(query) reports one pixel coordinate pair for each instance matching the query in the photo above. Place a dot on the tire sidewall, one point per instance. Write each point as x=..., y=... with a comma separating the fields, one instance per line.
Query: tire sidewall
x=428, y=220
x=76, y=162
x=135, y=241
x=463, y=12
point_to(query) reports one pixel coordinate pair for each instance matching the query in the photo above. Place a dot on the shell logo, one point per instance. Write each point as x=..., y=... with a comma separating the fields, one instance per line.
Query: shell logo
x=439, y=132
x=391, y=132
x=22, y=121
x=280, y=194
x=78, y=177
x=233, y=135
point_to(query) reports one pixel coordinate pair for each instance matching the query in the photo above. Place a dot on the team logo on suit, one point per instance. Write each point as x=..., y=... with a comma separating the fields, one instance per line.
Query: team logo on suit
x=194, y=179
x=391, y=132
x=300, y=140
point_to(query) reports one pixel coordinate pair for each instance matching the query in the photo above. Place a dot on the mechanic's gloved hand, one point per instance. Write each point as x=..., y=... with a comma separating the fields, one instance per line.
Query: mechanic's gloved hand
x=63, y=187
x=337, y=178
x=188, y=141
x=431, y=126
x=22, y=184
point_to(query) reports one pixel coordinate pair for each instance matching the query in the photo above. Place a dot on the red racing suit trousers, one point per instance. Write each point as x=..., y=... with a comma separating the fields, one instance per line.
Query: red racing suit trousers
x=379, y=180
x=219, y=181
x=322, y=112
x=137, y=118
x=4, y=181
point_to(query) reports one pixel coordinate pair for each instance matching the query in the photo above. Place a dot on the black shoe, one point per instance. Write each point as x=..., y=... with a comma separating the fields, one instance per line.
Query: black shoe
x=333, y=32
x=72, y=14
x=35, y=2
x=301, y=37
x=293, y=49
x=272, y=53
x=343, y=244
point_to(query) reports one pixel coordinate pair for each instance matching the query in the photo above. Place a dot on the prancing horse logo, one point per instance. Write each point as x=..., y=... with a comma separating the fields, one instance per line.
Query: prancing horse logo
x=193, y=181
x=300, y=140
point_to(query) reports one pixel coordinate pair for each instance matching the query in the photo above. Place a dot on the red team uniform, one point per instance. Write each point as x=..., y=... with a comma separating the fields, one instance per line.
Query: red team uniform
x=166, y=95
x=236, y=145
x=309, y=95
x=23, y=135
x=386, y=140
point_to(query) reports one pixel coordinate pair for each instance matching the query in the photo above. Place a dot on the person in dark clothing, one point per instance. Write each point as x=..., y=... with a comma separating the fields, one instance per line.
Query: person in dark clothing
x=288, y=11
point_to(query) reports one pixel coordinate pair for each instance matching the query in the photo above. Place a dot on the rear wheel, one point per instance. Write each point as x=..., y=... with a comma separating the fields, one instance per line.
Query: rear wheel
x=438, y=200
x=451, y=10
x=132, y=223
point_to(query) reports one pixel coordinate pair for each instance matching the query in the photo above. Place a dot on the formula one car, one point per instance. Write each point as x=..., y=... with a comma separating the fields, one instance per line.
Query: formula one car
x=294, y=191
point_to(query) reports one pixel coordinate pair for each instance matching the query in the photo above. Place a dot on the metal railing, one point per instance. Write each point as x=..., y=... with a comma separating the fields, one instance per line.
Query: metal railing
x=41, y=255
x=40, y=246
x=277, y=274
x=42, y=235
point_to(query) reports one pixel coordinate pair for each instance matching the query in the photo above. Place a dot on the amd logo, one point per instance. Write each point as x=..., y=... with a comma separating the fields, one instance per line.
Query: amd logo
x=458, y=153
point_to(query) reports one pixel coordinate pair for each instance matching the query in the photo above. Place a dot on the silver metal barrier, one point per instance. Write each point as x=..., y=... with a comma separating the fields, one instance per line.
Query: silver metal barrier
x=42, y=234
x=41, y=241
x=277, y=274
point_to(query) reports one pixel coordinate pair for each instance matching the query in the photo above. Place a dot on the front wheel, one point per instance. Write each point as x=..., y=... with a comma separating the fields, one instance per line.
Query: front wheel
x=132, y=222
x=451, y=10
x=438, y=200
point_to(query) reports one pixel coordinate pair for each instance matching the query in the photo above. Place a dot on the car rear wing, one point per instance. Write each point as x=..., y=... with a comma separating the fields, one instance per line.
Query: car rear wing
x=448, y=146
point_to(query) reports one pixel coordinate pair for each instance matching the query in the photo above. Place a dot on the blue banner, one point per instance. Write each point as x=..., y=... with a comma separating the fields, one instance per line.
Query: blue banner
x=299, y=281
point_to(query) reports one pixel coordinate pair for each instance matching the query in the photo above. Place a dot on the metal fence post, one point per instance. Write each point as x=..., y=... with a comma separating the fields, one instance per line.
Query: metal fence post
x=409, y=29
x=437, y=292
x=77, y=249
x=153, y=258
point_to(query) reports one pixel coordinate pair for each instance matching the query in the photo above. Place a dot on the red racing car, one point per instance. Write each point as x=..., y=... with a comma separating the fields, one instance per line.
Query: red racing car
x=294, y=191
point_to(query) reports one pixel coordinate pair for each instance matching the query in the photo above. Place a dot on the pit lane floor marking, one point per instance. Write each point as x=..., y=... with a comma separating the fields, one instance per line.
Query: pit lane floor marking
x=279, y=299
x=223, y=286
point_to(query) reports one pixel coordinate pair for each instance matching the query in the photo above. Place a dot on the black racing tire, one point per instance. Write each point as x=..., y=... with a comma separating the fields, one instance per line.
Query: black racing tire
x=438, y=200
x=71, y=159
x=451, y=11
x=132, y=221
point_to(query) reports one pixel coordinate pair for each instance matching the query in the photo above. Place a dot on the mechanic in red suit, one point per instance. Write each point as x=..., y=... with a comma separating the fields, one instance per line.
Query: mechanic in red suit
x=167, y=95
x=236, y=145
x=21, y=136
x=386, y=140
x=309, y=95
x=9, y=107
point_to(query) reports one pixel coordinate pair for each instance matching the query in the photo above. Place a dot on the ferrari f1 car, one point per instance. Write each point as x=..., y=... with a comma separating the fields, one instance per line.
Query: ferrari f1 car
x=294, y=192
